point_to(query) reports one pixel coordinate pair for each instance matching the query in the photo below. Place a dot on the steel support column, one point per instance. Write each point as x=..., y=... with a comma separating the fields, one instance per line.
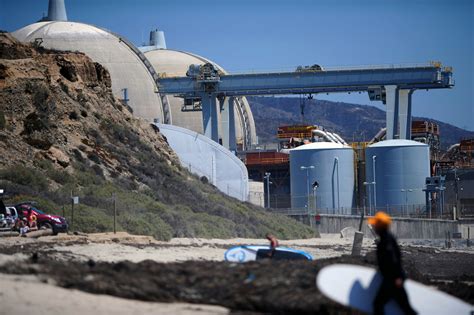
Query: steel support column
x=228, y=123
x=391, y=92
x=404, y=100
x=209, y=116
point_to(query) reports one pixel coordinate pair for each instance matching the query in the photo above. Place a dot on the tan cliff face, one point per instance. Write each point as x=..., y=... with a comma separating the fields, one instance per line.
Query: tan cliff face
x=63, y=132
x=59, y=106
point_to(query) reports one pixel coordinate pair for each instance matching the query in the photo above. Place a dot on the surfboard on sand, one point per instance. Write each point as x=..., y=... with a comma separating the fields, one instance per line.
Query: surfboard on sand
x=356, y=287
x=246, y=253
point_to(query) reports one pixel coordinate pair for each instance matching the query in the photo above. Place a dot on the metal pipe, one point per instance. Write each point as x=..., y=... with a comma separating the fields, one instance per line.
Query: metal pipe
x=369, y=195
x=332, y=137
x=342, y=141
x=379, y=136
x=322, y=134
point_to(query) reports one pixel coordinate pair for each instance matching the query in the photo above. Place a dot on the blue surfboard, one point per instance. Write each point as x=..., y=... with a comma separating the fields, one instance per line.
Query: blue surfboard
x=246, y=253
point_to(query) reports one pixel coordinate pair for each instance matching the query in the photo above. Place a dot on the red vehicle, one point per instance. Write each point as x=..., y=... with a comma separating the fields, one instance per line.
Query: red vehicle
x=44, y=221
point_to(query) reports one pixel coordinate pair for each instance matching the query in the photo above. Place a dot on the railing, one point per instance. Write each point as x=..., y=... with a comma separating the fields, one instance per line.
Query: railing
x=266, y=161
x=326, y=68
x=301, y=135
x=339, y=68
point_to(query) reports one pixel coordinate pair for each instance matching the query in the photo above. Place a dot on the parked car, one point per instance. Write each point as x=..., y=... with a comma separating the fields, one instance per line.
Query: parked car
x=44, y=221
x=8, y=217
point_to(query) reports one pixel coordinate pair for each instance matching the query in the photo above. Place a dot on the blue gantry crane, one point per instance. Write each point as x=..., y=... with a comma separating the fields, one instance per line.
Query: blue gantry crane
x=391, y=85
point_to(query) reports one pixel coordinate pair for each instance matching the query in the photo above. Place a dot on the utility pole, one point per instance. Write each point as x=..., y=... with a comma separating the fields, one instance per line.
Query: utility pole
x=267, y=178
x=406, y=198
x=315, y=186
x=370, y=196
x=456, y=187
x=374, y=158
x=308, y=195
x=115, y=213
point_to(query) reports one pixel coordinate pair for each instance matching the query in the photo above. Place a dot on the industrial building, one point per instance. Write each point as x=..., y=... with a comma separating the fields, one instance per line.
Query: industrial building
x=203, y=112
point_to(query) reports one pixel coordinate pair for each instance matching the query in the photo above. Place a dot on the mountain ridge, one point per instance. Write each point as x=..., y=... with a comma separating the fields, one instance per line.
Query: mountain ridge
x=353, y=122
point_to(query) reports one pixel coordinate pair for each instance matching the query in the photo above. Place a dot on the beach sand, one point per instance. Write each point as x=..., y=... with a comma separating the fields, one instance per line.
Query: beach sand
x=128, y=274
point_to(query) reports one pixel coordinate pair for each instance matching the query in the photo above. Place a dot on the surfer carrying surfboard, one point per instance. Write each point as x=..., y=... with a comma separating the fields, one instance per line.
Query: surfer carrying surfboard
x=390, y=265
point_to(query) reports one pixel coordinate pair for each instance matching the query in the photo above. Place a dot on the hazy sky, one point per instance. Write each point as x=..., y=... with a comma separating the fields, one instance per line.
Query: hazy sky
x=274, y=34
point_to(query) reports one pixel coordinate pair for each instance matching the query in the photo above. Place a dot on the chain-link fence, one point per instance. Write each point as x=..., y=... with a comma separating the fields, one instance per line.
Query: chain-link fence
x=449, y=211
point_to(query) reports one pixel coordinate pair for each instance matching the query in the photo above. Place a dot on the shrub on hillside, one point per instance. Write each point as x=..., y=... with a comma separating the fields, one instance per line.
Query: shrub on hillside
x=26, y=176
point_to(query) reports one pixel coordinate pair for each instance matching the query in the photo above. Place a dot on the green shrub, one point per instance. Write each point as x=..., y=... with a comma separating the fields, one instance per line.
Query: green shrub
x=64, y=87
x=90, y=220
x=146, y=224
x=40, y=95
x=25, y=176
x=73, y=115
x=86, y=177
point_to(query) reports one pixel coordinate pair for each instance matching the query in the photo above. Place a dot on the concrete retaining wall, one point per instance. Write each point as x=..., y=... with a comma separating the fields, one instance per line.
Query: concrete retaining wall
x=403, y=228
x=467, y=230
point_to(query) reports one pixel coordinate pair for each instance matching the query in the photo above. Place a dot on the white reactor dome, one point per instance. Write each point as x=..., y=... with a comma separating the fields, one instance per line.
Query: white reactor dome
x=132, y=81
x=169, y=63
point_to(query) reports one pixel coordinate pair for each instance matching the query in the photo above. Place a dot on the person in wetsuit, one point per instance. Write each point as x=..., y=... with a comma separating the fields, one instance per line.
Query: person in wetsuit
x=273, y=244
x=390, y=266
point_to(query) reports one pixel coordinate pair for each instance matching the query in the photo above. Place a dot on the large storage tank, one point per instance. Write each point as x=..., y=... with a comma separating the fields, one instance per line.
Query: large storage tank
x=401, y=167
x=329, y=164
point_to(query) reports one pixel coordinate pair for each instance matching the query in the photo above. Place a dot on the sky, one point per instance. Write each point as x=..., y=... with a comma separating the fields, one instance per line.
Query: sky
x=269, y=35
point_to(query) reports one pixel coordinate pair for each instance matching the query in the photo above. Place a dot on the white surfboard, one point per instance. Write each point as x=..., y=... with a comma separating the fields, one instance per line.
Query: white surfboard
x=356, y=287
x=246, y=253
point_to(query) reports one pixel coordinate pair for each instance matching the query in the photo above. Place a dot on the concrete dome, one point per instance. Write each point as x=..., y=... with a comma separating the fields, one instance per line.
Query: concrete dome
x=169, y=62
x=121, y=59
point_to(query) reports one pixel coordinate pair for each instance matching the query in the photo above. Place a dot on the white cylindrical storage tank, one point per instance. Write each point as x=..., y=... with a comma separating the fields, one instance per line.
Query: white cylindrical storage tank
x=331, y=166
x=401, y=168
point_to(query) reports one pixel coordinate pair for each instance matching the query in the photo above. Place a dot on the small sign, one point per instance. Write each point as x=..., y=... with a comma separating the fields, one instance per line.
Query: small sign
x=75, y=200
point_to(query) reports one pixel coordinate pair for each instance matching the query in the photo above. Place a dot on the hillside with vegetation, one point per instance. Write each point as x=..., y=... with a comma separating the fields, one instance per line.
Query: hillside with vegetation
x=63, y=133
x=353, y=122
